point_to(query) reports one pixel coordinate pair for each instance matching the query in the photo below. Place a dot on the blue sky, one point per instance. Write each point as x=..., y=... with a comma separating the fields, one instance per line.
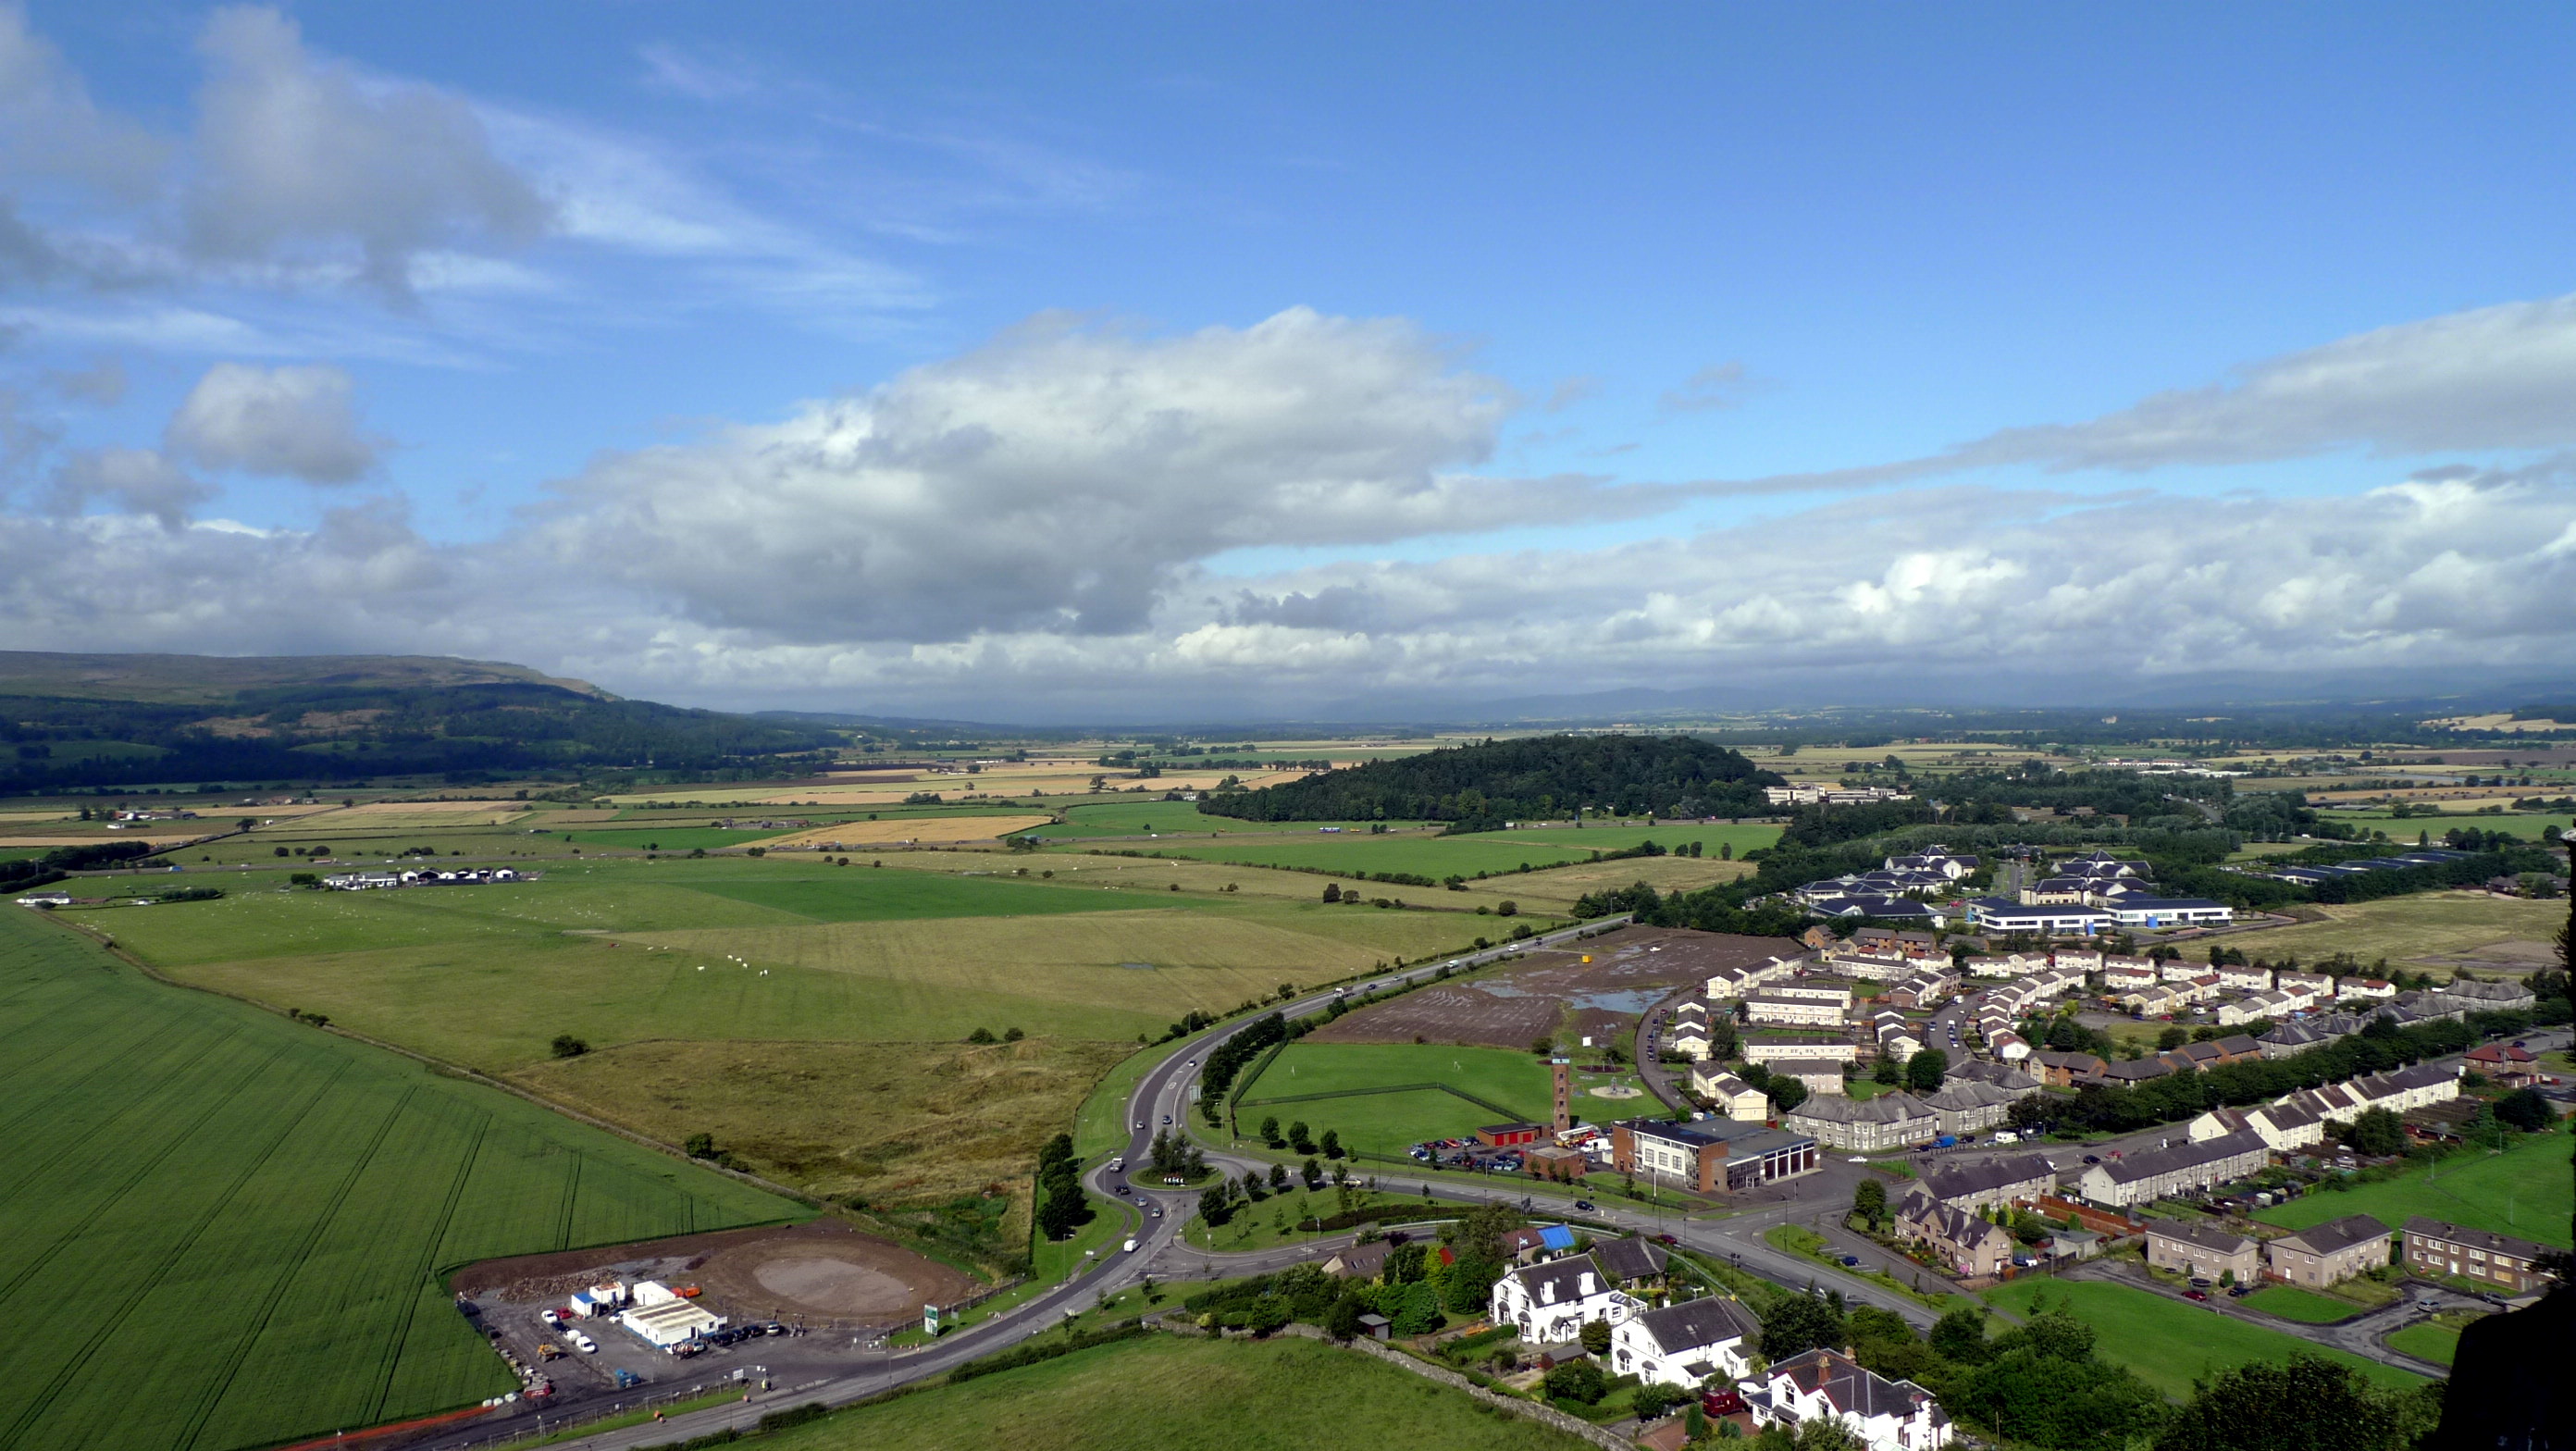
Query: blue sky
x=1141, y=361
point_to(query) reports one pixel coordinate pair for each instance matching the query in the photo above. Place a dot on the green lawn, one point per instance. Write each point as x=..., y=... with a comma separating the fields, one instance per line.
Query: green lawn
x=2291, y=1303
x=1619, y=836
x=2405, y=829
x=2170, y=1343
x=2525, y=1191
x=2437, y=1343
x=864, y=894
x=1165, y=1393
x=1437, y=857
x=2413, y=928
x=1142, y=818
x=169, y=1153
x=1387, y=1123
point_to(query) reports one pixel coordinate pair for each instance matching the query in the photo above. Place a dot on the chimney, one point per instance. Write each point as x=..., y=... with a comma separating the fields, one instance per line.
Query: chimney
x=1547, y=1292
x=1584, y=1280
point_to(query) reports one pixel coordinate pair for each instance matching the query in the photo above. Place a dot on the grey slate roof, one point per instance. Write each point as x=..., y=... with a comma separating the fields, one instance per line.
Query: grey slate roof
x=2336, y=1234
x=2208, y=1237
x=2152, y=1162
x=1565, y=1274
x=1984, y=1177
x=2460, y=1234
x=1693, y=1324
x=1628, y=1259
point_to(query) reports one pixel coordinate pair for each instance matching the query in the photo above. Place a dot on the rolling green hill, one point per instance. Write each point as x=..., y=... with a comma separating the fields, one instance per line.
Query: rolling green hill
x=115, y=720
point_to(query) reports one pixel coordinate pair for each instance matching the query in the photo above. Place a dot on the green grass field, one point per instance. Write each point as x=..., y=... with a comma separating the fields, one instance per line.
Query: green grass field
x=2405, y=829
x=2292, y=1303
x=2439, y=1344
x=1388, y=1123
x=1620, y=835
x=228, y=1230
x=2525, y=1191
x=1426, y=856
x=1164, y=1393
x=2170, y=1343
x=1141, y=818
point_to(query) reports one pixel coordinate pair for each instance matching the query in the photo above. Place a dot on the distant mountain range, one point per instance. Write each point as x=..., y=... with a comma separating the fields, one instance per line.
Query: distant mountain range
x=70, y=721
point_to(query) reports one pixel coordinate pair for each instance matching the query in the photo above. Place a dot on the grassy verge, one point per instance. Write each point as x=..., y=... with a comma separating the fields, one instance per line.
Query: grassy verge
x=1272, y=1223
x=2172, y=1343
x=1808, y=1244
x=1170, y=1391
x=638, y=1417
x=2291, y=1303
x=2524, y=1191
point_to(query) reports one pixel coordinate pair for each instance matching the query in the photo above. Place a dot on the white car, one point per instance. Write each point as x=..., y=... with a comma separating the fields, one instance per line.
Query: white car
x=583, y=1343
x=1858, y=1159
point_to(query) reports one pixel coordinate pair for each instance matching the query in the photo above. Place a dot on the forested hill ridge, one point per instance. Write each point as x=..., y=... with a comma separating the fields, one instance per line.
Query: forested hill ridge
x=213, y=679
x=1479, y=787
x=69, y=721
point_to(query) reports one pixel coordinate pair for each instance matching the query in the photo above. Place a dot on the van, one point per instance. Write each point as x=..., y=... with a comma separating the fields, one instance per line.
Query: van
x=2007, y=1136
x=1128, y=1248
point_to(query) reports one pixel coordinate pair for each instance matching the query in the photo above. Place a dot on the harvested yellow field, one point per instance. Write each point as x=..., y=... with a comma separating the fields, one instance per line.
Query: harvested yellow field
x=917, y=831
x=889, y=789
x=424, y=813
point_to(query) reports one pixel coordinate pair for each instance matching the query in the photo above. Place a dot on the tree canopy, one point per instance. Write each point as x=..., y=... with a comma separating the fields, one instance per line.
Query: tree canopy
x=1478, y=787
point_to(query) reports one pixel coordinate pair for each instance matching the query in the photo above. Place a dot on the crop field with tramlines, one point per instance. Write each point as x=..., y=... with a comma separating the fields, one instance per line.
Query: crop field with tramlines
x=226, y=1229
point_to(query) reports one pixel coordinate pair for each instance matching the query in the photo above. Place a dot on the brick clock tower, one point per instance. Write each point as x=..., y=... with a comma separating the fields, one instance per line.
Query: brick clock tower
x=1564, y=1093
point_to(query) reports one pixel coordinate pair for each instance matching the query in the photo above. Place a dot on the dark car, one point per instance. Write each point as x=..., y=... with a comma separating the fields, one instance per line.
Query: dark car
x=1117, y=1188
x=1851, y=1259
x=2195, y=1294
x=2092, y=1158
x=1587, y=1206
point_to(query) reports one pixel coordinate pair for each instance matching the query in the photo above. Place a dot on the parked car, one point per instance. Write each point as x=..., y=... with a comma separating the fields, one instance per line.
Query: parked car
x=2195, y=1294
x=1851, y=1259
x=583, y=1343
x=2092, y=1158
x=627, y=1380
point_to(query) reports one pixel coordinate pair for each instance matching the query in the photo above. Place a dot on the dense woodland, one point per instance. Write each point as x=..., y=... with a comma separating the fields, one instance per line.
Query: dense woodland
x=1479, y=787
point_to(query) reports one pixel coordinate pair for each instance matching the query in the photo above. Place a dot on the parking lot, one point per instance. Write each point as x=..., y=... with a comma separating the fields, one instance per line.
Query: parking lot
x=581, y=1376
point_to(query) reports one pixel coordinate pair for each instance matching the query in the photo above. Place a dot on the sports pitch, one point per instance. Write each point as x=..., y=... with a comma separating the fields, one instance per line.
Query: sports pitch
x=228, y=1230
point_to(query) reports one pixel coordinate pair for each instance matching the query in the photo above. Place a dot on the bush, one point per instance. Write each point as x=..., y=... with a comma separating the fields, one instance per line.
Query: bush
x=794, y=1416
x=568, y=1046
x=1579, y=1381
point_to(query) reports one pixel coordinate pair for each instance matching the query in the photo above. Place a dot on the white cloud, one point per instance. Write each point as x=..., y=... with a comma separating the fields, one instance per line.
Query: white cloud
x=297, y=422
x=134, y=480
x=1056, y=479
x=1715, y=387
x=295, y=153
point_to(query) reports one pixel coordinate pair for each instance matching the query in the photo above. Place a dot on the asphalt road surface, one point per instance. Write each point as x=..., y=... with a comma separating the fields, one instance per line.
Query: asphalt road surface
x=1165, y=1091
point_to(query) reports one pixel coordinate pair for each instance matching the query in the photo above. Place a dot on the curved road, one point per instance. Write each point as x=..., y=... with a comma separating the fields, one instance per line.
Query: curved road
x=1166, y=1090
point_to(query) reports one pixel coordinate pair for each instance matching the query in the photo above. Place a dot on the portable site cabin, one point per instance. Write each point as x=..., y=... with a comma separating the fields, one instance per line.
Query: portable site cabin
x=671, y=1322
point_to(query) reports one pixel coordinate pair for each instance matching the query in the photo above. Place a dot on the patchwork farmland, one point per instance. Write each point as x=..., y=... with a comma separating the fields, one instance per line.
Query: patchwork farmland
x=228, y=1230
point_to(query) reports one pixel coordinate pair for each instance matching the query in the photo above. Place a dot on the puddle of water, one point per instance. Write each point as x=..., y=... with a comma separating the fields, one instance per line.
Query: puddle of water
x=1503, y=990
x=1630, y=1000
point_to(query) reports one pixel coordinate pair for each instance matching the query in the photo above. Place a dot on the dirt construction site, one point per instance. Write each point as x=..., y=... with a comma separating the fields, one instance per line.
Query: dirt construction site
x=1594, y=990
x=823, y=1273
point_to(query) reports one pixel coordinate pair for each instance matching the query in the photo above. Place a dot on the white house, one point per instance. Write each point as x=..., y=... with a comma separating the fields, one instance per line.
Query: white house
x=1690, y=1039
x=2245, y=979
x=2260, y=1005
x=2349, y=988
x=2128, y=977
x=1886, y=1415
x=1686, y=1344
x=2305, y=984
x=1733, y=1096
x=1776, y=1010
x=1550, y=1303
